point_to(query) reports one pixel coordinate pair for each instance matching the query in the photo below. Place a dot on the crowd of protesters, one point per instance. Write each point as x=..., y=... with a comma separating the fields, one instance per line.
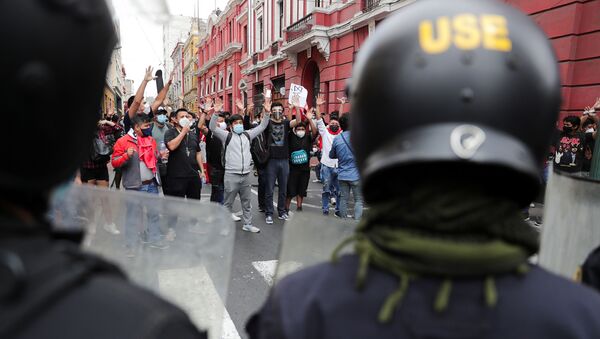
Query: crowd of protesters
x=155, y=147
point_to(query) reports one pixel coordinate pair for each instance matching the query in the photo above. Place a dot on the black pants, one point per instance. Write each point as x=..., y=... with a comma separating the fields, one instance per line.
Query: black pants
x=262, y=187
x=190, y=188
x=164, y=183
x=216, y=181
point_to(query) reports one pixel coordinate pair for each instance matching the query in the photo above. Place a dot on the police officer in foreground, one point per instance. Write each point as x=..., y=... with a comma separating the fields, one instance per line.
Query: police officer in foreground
x=59, y=53
x=468, y=92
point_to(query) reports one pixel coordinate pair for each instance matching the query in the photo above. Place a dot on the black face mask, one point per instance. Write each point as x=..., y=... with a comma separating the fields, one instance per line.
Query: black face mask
x=567, y=129
x=334, y=128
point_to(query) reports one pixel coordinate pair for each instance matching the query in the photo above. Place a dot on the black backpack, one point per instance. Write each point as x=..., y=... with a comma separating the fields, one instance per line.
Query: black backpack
x=260, y=149
x=101, y=150
x=227, y=141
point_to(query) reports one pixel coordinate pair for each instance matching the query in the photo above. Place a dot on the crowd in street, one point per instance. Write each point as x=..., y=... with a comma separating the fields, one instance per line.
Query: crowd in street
x=156, y=148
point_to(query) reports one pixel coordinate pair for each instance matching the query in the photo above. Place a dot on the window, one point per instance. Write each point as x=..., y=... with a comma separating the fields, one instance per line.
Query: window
x=245, y=41
x=260, y=34
x=230, y=79
x=230, y=31
x=214, y=84
x=220, y=80
x=280, y=8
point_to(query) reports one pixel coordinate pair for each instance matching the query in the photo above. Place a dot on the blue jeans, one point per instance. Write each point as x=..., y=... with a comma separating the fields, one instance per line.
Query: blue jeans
x=345, y=188
x=277, y=169
x=331, y=186
x=135, y=218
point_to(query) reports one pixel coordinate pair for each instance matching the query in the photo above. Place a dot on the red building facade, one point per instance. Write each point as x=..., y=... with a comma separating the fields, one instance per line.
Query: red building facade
x=573, y=27
x=258, y=44
x=220, y=52
x=273, y=43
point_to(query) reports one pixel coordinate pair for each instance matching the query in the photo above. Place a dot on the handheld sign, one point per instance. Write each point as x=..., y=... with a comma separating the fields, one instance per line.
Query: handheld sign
x=297, y=95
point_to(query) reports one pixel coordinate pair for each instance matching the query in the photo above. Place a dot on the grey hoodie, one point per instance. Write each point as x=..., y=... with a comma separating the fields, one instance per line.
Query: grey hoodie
x=238, y=157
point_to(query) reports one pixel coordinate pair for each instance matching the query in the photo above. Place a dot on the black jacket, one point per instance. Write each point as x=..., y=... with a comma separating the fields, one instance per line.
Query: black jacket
x=322, y=302
x=67, y=294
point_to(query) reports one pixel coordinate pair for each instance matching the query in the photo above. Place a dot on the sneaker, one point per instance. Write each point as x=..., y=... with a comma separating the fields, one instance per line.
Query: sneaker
x=269, y=220
x=284, y=216
x=112, y=229
x=144, y=237
x=235, y=217
x=333, y=202
x=316, y=180
x=251, y=229
x=338, y=214
x=159, y=245
x=326, y=213
x=129, y=253
x=171, y=235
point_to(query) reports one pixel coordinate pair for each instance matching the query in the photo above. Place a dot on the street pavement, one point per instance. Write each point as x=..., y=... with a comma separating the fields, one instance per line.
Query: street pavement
x=255, y=255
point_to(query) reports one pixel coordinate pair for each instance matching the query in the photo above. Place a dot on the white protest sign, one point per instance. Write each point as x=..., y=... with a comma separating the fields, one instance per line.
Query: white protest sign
x=298, y=95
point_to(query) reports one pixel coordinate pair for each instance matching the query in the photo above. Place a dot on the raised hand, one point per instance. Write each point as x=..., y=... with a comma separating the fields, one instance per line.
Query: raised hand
x=310, y=113
x=148, y=76
x=239, y=104
x=597, y=104
x=267, y=104
x=218, y=105
x=321, y=100
x=208, y=103
x=171, y=76
x=342, y=100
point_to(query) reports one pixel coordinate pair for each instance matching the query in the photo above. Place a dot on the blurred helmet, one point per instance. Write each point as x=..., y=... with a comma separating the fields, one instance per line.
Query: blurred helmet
x=466, y=86
x=54, y=64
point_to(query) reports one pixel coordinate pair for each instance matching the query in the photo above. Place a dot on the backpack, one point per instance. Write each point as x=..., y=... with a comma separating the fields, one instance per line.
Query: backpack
x=260, y=149
x=227, y=141
x=101, y=150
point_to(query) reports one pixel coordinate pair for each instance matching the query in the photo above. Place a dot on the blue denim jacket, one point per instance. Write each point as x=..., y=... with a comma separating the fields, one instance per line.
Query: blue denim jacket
x=347, y=169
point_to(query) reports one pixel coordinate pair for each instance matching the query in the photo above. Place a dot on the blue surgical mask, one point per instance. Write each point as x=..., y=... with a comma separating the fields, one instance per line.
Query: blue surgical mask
x=147, y=131
x=162, y=119
x=238, y=129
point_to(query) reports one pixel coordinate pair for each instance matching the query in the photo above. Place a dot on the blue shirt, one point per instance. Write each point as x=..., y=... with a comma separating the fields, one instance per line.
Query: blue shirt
x=347, y=169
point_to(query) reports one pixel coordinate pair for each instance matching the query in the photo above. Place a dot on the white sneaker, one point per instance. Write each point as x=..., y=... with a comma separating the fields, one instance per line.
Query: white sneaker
x=112, y=229
x=251, y=229
x=269, y=220
x=171, y=235
x=235, y=217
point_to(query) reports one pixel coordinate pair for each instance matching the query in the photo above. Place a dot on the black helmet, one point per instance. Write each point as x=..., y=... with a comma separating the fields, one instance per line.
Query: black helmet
x=53, y=71
x=468, y=86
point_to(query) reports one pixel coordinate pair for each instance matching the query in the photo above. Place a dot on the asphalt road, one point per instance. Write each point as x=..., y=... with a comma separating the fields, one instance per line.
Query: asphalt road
x=254, y=253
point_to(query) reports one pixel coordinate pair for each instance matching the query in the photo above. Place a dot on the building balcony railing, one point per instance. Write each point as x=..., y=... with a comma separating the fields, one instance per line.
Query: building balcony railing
x=369, y=5
x=300, y=28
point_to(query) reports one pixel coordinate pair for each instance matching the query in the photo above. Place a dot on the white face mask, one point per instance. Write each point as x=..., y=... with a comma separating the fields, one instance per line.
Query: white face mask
x=301, y=134
x=184, y=122
x=589, y=130
x=222, y=125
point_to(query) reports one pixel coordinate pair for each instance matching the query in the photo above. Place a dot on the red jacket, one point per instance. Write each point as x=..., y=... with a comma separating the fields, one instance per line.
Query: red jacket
x=130, y=165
